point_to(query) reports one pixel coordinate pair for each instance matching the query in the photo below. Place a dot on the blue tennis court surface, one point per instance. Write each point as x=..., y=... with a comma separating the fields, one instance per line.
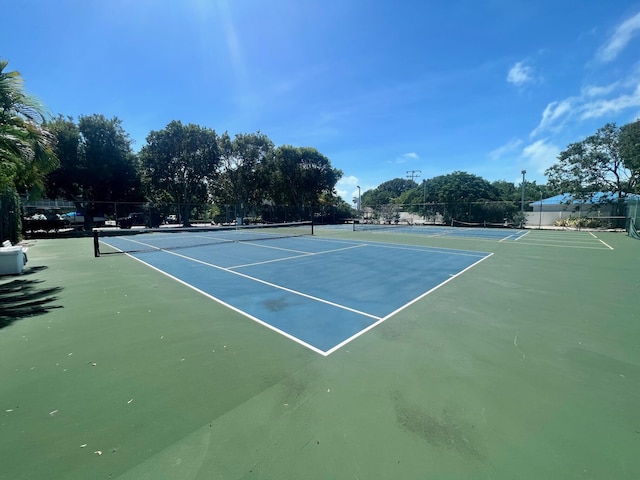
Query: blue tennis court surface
x=321, y=293
x=499, y=234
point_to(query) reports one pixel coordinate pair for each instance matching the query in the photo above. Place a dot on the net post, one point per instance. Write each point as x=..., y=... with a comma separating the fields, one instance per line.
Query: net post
x=96, y=244
x=312, y=225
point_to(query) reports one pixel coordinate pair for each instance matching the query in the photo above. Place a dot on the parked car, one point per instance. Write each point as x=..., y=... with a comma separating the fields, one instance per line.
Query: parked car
x=76, y=219
x=44, y=222
x=151, y=220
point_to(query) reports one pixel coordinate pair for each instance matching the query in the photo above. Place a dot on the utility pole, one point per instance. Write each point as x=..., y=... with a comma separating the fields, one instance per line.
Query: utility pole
x=522, y=222
x=411, y=174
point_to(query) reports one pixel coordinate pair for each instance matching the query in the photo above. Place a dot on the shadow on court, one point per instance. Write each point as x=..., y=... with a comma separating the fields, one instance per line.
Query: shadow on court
x=25, y=297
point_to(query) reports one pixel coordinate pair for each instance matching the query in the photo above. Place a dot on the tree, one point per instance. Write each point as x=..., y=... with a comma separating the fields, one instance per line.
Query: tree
x=97, y=164
x=594, y=165
x=26, y=153
x=243, y=179
x=179, y=162
x=388, y=192
x=299, y=176
x=506, y=191
x=333, y=209
x=630, y=151
x=458, y=191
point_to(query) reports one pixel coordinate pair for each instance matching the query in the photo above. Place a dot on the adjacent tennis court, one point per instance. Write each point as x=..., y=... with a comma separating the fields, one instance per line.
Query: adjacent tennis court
x=501, y=234
x=185, y=362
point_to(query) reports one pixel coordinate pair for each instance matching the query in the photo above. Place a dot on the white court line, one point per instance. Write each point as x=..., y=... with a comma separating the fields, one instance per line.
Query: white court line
x=400, y=246
x=309, y=254
x=523, y=235
x=561, y=246
x=373, y=325
x=274, y=285
x=216, y=241
x=241, y=312
x=561, y=241
x=604, y=243
x=378, y=320
x=419, y=248
x=258, y=243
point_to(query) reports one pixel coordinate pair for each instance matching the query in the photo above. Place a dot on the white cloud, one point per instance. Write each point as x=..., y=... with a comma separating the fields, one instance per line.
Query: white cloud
x=404, y=158
x=508, y=147
x=520, y=74
x=597, y=91
x=346, y=187
x=551, y=115
x=593, y=102
x=620, y=38
x=609, y=101
x=540, y=155
x=602, y=107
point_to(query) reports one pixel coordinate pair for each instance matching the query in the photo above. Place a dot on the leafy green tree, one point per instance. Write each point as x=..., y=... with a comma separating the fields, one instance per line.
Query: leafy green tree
x=243, y=178
x=299, y=176
x=179, y=162
x=97, y=164
x=510, y=192
x=26, y=153
x=630, y=152
x=457, y=192
x=333, y=209
x=506, y=191
x=593, y=165
x=391, y=191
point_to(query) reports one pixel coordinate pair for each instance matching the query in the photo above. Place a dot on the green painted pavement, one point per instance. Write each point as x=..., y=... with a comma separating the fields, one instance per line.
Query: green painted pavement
x=527, y=366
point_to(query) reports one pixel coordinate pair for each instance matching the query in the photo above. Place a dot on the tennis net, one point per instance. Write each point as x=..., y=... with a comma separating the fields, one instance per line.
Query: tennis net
x=115, y=240
x=360, y=227
x=460, y=223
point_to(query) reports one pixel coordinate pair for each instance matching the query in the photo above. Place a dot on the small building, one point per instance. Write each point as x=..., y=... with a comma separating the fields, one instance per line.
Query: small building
x=560, y=210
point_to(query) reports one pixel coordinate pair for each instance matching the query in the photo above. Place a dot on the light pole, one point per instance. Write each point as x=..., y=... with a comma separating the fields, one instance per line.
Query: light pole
x=358, y=198
x=524, y=172
x=424, y=200
x=540, y=222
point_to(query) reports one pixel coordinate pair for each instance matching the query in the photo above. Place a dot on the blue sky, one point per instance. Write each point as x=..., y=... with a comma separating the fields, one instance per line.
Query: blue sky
x=380, y=87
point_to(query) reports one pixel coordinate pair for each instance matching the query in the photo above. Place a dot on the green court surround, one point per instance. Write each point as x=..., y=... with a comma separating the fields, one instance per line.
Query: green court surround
x=527, y=366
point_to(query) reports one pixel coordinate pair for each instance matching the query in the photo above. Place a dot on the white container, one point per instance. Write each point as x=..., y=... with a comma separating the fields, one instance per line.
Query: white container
x=12, y=260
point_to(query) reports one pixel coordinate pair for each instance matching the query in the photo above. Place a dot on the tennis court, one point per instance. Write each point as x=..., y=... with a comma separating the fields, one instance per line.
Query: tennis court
x=321, y=293
x=500, y=234
x=496, y=359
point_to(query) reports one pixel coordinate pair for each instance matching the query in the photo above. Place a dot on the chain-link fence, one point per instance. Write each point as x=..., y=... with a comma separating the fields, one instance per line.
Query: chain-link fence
x=65, y=217
x=463, y=213
x=633, y=217
x=530, y=214
x=9, y=216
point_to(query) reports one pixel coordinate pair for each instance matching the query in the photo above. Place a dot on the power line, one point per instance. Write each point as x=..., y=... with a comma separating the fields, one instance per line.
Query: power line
x=413, y=174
